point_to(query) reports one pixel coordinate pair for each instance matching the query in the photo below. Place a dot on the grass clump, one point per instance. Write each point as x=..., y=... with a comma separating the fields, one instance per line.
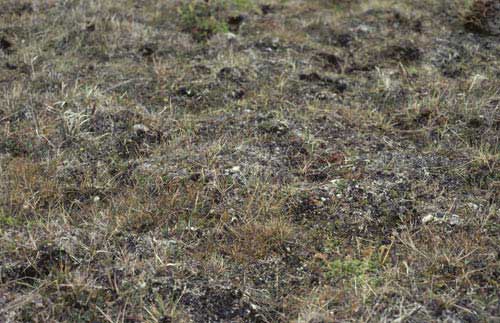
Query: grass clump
x=203, y=19
x=351, y=268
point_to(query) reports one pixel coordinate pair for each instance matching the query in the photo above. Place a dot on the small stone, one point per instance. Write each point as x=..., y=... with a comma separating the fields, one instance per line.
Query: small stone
x=140, y=128
x=428, y=218
x=363, y=28
x=439, y=216
x=455, y=220
x=473, y=206
x=230, y=36
x=96, y=199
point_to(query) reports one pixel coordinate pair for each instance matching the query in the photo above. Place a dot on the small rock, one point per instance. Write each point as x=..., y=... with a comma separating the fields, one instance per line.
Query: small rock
x=473, y=206
x=428, y=218
x=439, y=217
x=363, y=28
x=140, y=129
x=455, y=219
x=233, y=170
x=230, y=36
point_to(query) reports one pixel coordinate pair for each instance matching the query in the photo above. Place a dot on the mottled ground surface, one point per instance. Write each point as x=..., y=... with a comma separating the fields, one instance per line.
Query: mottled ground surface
x=249, y=161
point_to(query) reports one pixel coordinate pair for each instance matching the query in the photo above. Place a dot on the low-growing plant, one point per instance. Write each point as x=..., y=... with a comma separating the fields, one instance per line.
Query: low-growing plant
x=202, y=19
x=352, y=269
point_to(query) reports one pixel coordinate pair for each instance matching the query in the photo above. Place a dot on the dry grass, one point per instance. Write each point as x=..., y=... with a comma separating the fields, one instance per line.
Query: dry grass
x=248, y=161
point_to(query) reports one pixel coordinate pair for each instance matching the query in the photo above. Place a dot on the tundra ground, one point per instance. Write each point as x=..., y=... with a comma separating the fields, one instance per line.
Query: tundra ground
x=248, y=161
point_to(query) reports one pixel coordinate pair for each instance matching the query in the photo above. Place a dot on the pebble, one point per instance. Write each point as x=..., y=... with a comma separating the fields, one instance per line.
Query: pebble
x=455, y=219
x=428, y=218
x=439, y=217
x=138, y=128
x=473, y=206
